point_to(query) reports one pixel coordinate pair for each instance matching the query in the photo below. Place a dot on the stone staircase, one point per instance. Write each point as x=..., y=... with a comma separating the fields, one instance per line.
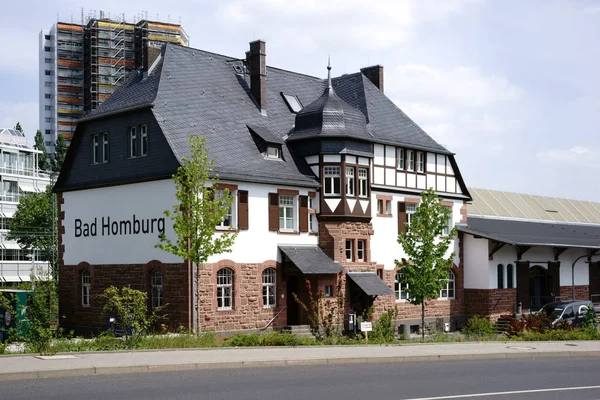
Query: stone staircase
x=502, y=325
x=298, y=330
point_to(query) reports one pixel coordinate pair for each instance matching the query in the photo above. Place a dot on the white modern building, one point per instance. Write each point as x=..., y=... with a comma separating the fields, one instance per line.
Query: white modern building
x=19, y=176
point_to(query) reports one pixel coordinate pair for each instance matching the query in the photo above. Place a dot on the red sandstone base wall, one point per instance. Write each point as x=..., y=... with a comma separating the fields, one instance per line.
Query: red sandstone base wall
x=582, y=292
x=82, y=319
x=490, y=302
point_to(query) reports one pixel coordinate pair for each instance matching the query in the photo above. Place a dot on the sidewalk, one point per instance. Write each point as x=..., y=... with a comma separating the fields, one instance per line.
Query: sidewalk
x=13, y=367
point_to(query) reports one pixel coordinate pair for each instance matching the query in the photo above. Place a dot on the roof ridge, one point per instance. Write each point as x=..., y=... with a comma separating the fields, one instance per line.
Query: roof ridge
x=530, y=194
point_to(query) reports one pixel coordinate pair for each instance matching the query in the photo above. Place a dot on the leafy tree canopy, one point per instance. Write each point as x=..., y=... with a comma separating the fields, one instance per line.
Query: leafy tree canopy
x=31, y=224
x=198, y=210
x=43, y=162
x=425, y=269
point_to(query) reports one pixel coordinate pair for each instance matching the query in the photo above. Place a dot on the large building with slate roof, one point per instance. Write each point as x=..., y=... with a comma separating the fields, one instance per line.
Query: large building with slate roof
x=522, y=251
x=325, y=174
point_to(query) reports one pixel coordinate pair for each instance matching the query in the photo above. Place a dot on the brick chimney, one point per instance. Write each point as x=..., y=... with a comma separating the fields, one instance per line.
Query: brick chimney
x=256, y=59
x=375, y=74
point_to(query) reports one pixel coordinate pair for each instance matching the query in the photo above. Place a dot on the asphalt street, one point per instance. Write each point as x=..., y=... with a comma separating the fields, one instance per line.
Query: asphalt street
x=548, y=378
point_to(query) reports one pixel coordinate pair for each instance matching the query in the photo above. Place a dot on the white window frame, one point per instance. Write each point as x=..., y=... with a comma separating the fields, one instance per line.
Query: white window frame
x=328, y=290
x=350, y=181
x=331, y=175
x=420, y=161
x=95, y=149
x=269, y=288
x=410, y=156
x=86, y=288
x=273, y=152
x=401, y=160
x=105, y=147
x=363, y=182
x=133, y=148
x=287, y=206
x=144, y=140
x=388, y=207
x=400, y=290
x=225, y=289
x=349, y=249
x=156, y=283
x=449, y=291
x=232, y=215
x=361, y=246
x=411, y=208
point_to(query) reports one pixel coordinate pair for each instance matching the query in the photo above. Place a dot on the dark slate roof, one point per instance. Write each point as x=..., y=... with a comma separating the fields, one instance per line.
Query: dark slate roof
x=265, y=134
x=525, y=233
x=311, y=260
x=194, y=92
x=136, y=91
x=388, y=123
x=370, y=284
x=330, y=116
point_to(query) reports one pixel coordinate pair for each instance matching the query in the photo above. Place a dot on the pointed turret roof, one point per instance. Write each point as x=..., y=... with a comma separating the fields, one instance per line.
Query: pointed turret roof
x=330, y=116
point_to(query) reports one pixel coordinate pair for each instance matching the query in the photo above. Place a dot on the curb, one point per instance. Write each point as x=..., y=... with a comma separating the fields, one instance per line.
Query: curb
x=91, y=371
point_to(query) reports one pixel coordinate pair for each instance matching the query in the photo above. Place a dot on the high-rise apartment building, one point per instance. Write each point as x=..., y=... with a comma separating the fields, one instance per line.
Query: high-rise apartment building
x=82, y=64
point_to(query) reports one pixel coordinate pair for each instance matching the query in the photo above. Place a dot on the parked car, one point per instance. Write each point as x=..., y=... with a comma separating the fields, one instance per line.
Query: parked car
x=572, y=311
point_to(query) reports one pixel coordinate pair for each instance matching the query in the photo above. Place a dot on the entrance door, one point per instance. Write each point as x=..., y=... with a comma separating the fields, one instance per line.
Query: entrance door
x=293, y=311
x=540, y=287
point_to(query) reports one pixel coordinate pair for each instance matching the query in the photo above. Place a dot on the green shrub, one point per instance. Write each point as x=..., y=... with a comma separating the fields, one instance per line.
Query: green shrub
x=560, y=334
x=280, y=339
x=478, y=327
x=590, y=320
x=243, y=340
x=384, y=328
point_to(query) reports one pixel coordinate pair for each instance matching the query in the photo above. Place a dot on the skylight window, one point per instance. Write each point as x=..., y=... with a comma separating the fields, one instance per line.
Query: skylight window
x=292, y=102
x=273, y=152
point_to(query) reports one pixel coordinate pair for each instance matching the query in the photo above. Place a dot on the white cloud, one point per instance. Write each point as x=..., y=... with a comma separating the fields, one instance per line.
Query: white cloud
x=465, y=85
x=460, y=107
x=574, y=156
x=377, y=26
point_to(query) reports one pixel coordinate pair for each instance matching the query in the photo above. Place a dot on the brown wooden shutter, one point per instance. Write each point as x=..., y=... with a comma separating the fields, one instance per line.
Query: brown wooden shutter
x=303, y=213
x=401, y=217
x=554, y=271
x=594, y=272
x=273, y=212
x=523, y=284
x=243, y=209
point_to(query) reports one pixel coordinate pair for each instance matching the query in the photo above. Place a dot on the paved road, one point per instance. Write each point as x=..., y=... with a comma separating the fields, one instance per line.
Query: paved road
x=523, y=377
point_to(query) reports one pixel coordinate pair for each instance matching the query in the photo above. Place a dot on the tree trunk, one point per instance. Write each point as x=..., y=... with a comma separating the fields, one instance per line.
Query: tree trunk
x=423, y=320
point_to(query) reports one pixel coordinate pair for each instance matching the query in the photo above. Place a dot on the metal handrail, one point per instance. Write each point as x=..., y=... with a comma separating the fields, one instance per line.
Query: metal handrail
x=272, y=319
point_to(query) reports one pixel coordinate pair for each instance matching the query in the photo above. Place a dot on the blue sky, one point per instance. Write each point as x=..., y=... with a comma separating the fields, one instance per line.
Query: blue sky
x=512, y=87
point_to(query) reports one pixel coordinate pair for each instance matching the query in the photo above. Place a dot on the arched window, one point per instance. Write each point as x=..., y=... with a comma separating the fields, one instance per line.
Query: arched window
x=86, y=288
x=156, y=282
x=447, y=292
x=224, y=289
x=509, y=276
x=500, y=276
x=269, y=287
x=401, y=289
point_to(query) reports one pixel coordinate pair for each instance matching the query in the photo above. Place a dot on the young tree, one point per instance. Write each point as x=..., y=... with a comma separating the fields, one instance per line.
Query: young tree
x=426, y=268
x=60, y=151
x=198, y=210
x=18, y=127
x=31, y=224
x=43, y=163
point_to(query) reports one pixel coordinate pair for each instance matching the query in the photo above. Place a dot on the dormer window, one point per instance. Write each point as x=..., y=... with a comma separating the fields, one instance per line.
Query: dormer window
x=273, y=152
x=292, y=102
